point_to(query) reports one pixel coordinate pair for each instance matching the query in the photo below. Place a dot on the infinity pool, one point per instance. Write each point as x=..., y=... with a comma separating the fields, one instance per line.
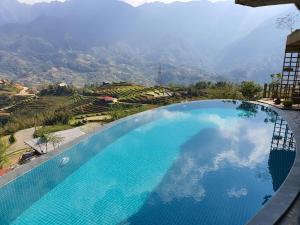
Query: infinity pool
x=204, y=163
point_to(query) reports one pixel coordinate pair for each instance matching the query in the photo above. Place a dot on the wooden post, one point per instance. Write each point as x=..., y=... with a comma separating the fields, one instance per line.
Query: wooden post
x=265, y=91
x=271, y=91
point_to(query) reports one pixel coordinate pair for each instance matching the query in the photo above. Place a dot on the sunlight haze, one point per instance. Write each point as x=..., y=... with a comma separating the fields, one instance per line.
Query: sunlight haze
x=132, y=2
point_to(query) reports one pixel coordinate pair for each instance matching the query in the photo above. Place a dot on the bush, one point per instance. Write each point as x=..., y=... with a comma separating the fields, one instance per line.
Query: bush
x=277, y=101
x=50, y=129
x=288, y=103
x=12, y=139
x=3, y=155
x=250, y=90
x=61, y=116
x=56, y=90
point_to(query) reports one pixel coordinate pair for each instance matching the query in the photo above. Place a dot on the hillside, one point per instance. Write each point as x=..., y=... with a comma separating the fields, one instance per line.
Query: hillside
x=95, y=40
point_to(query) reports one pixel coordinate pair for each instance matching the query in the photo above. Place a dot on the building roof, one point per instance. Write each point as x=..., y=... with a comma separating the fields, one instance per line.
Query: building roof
x=3, y=81
x=293, y=42
x=107, y=98
x=63, y=84
x=258, y=3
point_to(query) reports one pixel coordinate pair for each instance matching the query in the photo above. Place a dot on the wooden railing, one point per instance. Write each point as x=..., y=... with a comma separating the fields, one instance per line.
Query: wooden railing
x=271, y=90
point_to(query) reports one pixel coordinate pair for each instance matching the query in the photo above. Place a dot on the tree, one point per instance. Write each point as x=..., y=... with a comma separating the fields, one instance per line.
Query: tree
x=3, y=155
x=44, y=139
x=12, y=139
x=247, y=110
x=250, y=90
x=55, y=140
x=60, y=116
x=287, y=22
x=202, y=85
x=76, y=97
x=276, y=78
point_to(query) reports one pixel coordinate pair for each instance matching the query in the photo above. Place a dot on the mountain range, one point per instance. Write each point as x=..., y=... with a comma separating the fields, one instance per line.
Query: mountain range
x=84, y=41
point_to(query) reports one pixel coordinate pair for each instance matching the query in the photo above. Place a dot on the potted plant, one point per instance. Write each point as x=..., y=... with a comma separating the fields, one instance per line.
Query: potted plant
x=277, y=101
x=288, y=103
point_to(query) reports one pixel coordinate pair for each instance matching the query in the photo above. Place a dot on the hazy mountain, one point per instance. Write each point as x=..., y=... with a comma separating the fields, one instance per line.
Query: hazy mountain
x=255, y=56
x=95, y=40
x=12, y=11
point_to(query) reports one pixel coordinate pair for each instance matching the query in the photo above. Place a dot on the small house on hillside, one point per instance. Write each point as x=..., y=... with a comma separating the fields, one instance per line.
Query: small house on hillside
x=108, y=99
x=62, y=84
x=18, y=86
x=4, y=82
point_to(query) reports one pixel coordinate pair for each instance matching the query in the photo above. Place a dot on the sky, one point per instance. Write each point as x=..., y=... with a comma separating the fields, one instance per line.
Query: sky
x=132, y=2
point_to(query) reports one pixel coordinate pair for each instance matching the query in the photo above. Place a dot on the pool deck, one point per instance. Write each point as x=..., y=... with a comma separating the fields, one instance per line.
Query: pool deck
x=66, y=136
x=283, y=208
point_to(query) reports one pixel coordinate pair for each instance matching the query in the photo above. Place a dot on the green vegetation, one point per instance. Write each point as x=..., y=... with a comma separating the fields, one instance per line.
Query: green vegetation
x=250, y=90
x=12, y=139
x=288, y=103
x=37, y=111
x=59, y=107
x=277, y=101
x=3, y=155
x=50, y=138
x=8, y=89
x=50, y=129
x=130, y=93
x=120, y=111
x=57, y=90
x=276, y=78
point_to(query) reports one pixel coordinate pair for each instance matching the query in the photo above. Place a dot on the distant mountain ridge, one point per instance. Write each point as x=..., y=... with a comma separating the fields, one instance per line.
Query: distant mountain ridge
x=94, y=40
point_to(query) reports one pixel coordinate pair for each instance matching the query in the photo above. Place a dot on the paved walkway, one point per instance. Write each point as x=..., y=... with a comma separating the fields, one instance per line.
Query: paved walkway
x=21, y=136
x=291, y=186
x=90, y=127
x=292, y=216
x=62, y=138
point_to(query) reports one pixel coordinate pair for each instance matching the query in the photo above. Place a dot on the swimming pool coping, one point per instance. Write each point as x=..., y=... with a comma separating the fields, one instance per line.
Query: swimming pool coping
x=271, y=213
x=280, y=203
x=26, y=168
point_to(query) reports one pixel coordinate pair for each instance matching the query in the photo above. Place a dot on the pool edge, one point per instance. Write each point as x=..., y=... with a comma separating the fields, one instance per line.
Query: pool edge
x=26, y=168
x=280, y=203
x=270, y=214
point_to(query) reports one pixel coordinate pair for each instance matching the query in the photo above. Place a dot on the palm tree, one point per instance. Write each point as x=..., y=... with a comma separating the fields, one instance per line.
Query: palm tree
x=55, y=140
x=44, y=139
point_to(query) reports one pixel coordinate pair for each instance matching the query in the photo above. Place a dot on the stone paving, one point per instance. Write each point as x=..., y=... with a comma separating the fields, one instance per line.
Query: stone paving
x=277, y=211
x=269, y=215
x=292, y=216
x=65, y=136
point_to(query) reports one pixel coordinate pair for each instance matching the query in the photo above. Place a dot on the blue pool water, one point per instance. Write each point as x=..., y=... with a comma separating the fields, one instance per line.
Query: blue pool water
x=209, y=162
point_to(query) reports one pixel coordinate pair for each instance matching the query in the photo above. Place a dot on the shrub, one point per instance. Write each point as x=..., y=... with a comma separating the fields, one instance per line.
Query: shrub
x=250, y=90
x=288, y=103
x=61, y=116
x=3, y=155
x=277, y=101
x=50, y=129
x=12, y=139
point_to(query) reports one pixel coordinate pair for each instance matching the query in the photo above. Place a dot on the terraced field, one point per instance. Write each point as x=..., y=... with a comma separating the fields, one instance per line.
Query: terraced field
x=135, y=93
x=8, y=100
x=5, y=100
x=89, y=106
x=40, y=104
